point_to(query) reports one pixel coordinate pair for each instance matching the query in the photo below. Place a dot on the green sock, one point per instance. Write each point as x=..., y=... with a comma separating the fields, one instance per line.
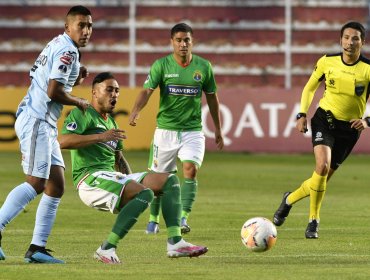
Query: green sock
x=155, y=207
x=171, y=206
x=188, y=192
x=128, y=215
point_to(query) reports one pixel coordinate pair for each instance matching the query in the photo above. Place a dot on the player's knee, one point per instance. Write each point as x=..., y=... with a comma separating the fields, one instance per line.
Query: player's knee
x=146, y=195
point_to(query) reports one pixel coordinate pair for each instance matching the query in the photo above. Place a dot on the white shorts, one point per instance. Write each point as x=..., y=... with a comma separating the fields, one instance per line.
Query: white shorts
x=168, y=145
x=39, y=146
x=103, y=190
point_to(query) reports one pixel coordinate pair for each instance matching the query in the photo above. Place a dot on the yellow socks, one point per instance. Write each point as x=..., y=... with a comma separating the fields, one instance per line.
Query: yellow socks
x=317, y=191
x=302, y=192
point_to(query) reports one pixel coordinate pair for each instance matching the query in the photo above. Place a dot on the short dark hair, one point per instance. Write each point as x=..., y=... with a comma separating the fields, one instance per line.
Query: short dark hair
x=101, y=77
x=355, y=25
x=79, y=10
x=181, y=27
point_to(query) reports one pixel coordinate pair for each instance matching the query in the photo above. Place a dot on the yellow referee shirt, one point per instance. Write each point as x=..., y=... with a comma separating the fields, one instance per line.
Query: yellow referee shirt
x=346, y=87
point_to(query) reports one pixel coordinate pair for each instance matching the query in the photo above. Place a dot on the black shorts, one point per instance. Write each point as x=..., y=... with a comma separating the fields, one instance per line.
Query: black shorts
x=338, y=135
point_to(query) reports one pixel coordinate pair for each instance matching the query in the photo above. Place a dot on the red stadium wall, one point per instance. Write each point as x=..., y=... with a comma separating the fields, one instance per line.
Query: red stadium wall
x=263, y=120
x=254, y=120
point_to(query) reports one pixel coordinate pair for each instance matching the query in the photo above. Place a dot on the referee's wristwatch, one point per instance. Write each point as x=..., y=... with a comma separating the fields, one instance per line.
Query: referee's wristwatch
x=300, y=115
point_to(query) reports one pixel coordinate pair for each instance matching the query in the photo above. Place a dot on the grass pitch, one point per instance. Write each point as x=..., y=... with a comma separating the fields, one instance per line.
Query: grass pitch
x=232, y=189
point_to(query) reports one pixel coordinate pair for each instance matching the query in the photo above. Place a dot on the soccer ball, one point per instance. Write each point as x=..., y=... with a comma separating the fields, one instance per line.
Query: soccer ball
x=258, y=234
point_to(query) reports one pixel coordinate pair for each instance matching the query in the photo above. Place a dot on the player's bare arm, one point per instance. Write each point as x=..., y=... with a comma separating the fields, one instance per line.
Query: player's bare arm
x=76, y=141
x=56, y=93
x=140, y=103
x=214, y=109
x=122, y=164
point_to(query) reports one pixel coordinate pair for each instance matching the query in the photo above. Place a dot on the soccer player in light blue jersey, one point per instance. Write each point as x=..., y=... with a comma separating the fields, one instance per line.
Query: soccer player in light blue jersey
x=55, y=72
x=182, y=78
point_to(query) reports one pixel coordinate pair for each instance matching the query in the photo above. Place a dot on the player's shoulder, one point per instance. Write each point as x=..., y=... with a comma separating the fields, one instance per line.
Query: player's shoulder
x=364, y=59
x=200, y=59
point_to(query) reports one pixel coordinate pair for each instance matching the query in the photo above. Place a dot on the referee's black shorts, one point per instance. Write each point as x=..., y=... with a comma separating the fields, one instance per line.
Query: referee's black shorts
x=341, y=139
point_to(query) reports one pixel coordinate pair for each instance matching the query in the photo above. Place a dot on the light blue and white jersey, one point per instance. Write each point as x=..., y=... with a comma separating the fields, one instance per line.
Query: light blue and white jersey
x=58, y=61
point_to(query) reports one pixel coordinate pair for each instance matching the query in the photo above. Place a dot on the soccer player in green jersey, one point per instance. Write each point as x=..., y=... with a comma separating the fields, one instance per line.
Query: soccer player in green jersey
x=182, y=77
x=104, y=179
x=336, y=124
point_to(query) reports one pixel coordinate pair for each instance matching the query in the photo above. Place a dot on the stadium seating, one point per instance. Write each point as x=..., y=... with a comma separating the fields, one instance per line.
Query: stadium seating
x=245, y=43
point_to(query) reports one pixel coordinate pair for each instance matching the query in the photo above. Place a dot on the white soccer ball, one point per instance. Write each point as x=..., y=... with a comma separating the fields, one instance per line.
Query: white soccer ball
x=258, y=234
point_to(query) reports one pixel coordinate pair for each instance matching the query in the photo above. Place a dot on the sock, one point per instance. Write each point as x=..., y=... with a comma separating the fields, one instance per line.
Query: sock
x=300, y=193
x=15, y=202
x=188, y=192
x=171, y=207
x=155, y=207
x=317, y=192
x=45, y=217
x=128, y=215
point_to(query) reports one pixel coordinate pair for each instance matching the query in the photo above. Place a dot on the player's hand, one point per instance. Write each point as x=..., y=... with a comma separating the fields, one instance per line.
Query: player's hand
x=83, y=104
x=358, y=124
x=113, y=135
x=219, y=139
x=133, y=118
x=302, y=125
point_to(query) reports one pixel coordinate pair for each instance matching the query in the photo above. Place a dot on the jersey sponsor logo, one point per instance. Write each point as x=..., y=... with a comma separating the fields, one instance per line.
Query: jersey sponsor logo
x=197, y=76
x=147, y=79
x=62, y=69
x=171, y=75
x=100, y=125
x=183, y=90
x=71, y=126
x=67, y=58
x=111, y=144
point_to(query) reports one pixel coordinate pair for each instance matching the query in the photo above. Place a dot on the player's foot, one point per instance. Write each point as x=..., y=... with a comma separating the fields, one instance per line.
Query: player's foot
x=152, y=228
x=283, y=211
x=107, y=256
x=312, y=230
x=2, y=255
x=37, y=254
x=185, y=249
x=184, y=226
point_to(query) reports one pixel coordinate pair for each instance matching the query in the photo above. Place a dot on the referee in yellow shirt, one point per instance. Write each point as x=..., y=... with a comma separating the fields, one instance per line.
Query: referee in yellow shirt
x=336, y=124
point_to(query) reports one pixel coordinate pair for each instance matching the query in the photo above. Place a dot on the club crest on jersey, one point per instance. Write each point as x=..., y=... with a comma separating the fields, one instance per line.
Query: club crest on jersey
x=197, y=76
x=67, y=58
x=71, y=126
x=183, y=90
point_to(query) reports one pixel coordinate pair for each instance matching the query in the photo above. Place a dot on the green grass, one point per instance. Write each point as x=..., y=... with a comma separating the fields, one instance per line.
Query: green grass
x=233, y=188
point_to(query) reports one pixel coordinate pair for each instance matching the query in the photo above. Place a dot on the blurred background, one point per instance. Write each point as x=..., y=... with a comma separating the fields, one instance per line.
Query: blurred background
x=262, y=51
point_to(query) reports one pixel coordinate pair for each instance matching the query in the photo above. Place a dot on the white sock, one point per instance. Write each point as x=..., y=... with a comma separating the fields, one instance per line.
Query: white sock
x=15, y=202
x=45, y=217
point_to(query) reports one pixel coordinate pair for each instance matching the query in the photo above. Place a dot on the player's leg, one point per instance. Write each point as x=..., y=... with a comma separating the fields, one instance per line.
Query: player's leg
x=119, y=194
x=191, y=155
x=162, y=158
x=45, y=218
x=169, y=188
x=30, y=132
x=51, y=155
